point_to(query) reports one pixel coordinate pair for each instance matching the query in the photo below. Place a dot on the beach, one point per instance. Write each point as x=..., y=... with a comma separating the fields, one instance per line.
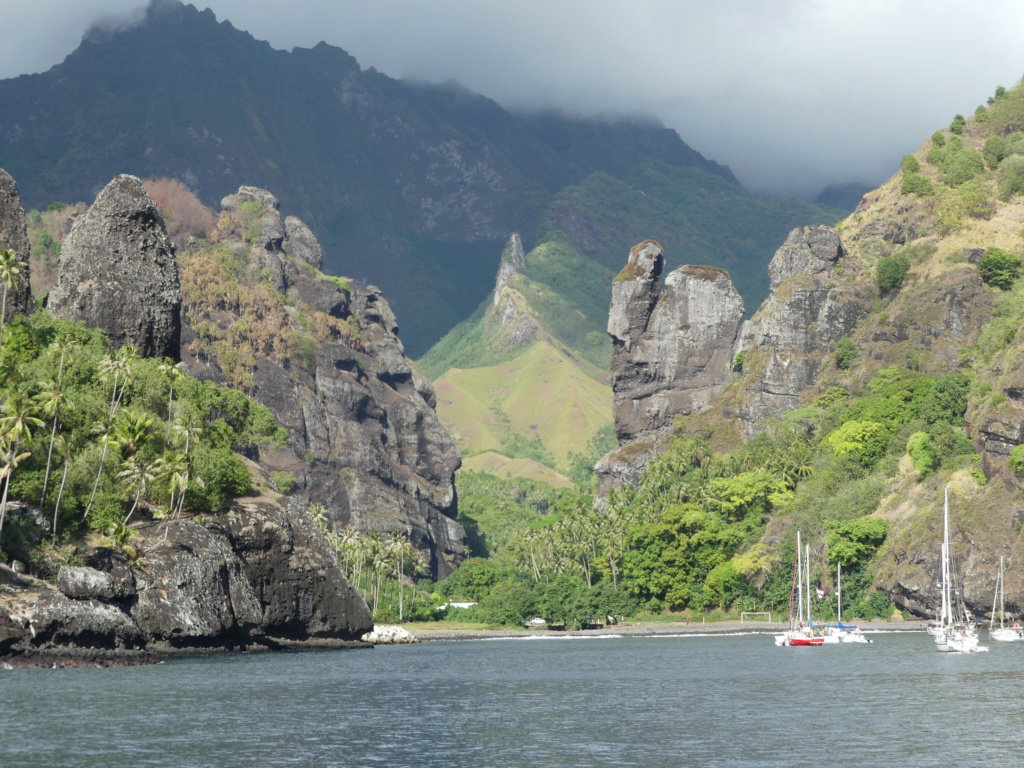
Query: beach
x=426, y=633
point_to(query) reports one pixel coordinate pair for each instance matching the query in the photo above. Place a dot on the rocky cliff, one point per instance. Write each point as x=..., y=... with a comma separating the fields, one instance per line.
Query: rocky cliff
x=13, y=236
x=324, y=356
x=672, y=352
x=672, y=347
x=900, y=283
x=118, y=273
x=813, y=303
x=258, y=575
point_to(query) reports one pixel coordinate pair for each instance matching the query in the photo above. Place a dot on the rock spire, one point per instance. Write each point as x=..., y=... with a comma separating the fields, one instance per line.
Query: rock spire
x=118, y=273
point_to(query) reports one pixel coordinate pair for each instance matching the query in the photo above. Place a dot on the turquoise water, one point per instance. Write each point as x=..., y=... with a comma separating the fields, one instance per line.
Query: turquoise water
x=662, y=701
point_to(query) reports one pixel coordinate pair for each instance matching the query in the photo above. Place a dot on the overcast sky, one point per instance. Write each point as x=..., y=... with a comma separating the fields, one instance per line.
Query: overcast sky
x=791, y=94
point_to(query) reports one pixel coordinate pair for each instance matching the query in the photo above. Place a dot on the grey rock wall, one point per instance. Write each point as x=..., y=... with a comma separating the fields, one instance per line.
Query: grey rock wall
x=14, y=236
x=671, y=347
x=118, y=273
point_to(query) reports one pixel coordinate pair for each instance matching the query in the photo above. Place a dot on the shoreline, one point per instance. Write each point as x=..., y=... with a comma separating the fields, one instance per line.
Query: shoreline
x=642, y=630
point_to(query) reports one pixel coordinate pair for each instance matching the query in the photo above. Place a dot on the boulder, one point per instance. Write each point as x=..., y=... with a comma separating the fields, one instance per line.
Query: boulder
x=118, y=272
x=389, y=634
x=300, y=243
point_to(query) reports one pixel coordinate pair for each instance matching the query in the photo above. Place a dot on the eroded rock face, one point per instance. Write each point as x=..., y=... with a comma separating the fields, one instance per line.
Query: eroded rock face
x=14, y=236
x=118, y=273
x=363, y=438
x=300, y=242
x=672, y=348
x=788, y=340
x=258, y=574
x=514, y=323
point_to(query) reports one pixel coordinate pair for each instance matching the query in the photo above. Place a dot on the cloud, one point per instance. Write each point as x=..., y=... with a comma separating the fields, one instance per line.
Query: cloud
x=791, y=94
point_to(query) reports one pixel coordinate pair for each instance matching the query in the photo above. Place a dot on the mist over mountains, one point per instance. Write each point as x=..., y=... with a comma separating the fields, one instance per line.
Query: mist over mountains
x=411, y=187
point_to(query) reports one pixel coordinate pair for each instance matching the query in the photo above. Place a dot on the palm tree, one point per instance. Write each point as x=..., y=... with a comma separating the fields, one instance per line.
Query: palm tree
x=9, y=460
x=19, y=417
x=401, y=549
x=137, y=474
x=173, y=372
x=118, y=366
x=105, y=432
x=10, y=276
x=187, y=430
x=63, y=446
x=346, y=543
x=133, y=429
x=15, y=426
x=174, y=468
x=49, y=402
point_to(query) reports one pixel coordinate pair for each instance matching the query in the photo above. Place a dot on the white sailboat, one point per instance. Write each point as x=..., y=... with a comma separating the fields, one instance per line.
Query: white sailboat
x=842, y=632
x=1003, y=633
x=800, y=632
x=952, y=632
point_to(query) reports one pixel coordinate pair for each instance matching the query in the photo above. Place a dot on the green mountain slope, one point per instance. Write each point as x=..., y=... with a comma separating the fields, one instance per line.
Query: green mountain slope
x=542, y=405
x=408, y=186
x=921, y=390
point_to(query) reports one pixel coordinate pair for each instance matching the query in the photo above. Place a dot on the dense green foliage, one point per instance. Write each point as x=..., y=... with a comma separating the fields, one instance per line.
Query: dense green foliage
x=846, y=353
x=890, y=271
x=691, y=535
x=96, y=437
x=999, y=268
x=916, y=184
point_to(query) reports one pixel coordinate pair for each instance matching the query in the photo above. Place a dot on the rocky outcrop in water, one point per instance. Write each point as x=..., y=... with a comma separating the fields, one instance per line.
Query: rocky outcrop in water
x=363, y=438
x=118, y=273
x=14, y=236
x=258, y=575
x=672, y=347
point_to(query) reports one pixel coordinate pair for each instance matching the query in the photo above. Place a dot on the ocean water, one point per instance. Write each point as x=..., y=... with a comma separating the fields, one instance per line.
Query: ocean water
x=629, y=701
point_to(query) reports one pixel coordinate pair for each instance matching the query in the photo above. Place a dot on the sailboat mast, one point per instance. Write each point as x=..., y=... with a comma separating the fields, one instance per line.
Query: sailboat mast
x=946, y=617
x=1002, y=593
x=807, y=567
x=799, y=582
x=839, y=594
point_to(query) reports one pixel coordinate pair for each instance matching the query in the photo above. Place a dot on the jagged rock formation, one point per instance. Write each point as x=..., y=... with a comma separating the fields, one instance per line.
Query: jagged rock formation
x=258, y=575
x=788, y=341
x=14, y=236
x=300, y=242
x=671, y=353
x=118, y=273
x=672, y=347
x=510, y=317
x=364, y=440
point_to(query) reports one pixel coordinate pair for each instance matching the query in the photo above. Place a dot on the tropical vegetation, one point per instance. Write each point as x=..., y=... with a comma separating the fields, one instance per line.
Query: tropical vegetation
x=94, y=437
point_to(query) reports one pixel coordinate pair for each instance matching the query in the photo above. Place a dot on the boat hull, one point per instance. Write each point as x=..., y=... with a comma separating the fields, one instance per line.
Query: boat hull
x=1007, y=635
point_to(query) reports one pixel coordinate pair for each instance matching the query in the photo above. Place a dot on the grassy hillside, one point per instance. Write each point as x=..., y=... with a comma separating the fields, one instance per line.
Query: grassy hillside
x=491, y=463
x=542, y=405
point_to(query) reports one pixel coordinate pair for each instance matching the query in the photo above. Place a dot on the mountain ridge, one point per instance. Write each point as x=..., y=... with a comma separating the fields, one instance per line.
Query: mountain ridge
x=410, y=187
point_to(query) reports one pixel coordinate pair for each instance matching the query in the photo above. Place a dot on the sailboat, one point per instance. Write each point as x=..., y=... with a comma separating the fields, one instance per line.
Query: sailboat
x=839, y=632
x=952, y=632
x=800, y=633
x=1003, y=633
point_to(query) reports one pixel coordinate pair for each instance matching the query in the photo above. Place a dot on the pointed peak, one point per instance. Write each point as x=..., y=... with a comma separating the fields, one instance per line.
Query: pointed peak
x=513, y=261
